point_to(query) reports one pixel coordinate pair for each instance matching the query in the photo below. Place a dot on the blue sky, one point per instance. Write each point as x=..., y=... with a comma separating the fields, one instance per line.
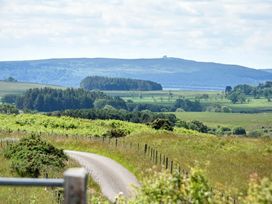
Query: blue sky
x=227, y=31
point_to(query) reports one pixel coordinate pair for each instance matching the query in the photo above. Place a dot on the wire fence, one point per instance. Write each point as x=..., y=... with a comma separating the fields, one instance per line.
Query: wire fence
x=145, y=150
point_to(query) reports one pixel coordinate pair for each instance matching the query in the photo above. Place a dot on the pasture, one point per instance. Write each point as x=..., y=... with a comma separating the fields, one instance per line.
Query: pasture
x=20, y=87
x=231, y=120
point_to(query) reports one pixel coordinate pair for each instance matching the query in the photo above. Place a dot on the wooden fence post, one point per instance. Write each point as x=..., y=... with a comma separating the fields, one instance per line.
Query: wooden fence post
x=75, y=186
x=171, y=167
x=145, y=148
x=166, y=165
x=156, y=158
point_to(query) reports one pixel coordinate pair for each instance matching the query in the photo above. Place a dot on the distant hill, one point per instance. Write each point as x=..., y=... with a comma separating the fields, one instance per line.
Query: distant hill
x=121, y=84
x=267, y=70
x=172, y=73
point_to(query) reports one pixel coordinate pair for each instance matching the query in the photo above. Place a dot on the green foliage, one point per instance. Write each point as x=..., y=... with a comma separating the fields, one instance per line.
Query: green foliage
x=33, y=156
x=9, y=98
x=237, y=97
x=242, y=90
x=8, y=109
x=163, y=188
x=48, y=99
x=239, y=131
x=107, y=83
x=259, y=191
x=193, y=125
x=111, y=113
x=115, y=102
x=188, y=105
x=37, y=123
x=116, y=132
x=162, y=124
x=228, y=89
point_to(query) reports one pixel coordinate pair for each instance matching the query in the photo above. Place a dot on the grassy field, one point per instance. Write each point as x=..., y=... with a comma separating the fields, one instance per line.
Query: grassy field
x=248, y=121
x=160, y=97
x=215, y=98
x=228, y=161
x=19, y=87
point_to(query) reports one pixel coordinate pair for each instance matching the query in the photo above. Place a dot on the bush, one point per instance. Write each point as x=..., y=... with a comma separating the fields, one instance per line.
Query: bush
x=259, y=191
x=162, y=187
x=162, y=124
x=239, y=131
x=198, y=126
x=226, y=109
x=116, y=132
x=193, y=125
x=179, y=110
x=223, y=131
x=33, y=156
x=255, y=133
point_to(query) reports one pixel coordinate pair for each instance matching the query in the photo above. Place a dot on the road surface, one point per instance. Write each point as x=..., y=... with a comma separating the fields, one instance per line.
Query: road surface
x=112, y=177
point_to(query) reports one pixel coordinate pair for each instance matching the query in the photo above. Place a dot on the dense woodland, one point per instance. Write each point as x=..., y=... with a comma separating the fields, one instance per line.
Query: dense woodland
x=107, y=83
x=48, y=99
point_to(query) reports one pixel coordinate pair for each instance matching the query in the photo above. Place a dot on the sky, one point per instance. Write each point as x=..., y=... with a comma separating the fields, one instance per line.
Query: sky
x=225, y=31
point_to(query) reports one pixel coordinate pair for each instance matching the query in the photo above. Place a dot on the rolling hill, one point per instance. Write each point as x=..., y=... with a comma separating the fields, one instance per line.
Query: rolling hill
x=174, y=73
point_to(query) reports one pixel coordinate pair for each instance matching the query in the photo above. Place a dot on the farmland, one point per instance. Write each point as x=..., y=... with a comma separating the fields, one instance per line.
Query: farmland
x=214, y=98
x=19, y=87
x=227, y=161
x=231, y=120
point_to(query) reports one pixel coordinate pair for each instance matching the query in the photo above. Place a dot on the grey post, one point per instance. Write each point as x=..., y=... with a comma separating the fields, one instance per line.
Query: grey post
x=75, y=185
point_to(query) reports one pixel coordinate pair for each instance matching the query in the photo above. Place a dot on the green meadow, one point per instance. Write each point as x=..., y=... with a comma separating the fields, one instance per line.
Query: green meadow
x=20, y=87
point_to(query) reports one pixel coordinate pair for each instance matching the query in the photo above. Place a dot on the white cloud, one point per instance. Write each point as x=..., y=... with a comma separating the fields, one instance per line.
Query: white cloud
x=224, y=30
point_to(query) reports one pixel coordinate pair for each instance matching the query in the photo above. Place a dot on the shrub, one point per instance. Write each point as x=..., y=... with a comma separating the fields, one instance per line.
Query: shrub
x=116, y=132
x=198, y=126
x=162, y=187
x=259, y=191
x=226, y=109
x=32, y=156
x=223, y=131
x=193, y=125
x=179, y=110
x=255, y=133
x=239, y=131
x=162, y=124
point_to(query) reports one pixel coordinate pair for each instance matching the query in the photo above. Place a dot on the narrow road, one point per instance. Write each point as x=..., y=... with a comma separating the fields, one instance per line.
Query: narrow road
x=112, y=177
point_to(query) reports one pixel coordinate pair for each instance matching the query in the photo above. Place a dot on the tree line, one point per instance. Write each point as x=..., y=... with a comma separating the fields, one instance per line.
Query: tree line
x=239, y=93
x=48, y=99
x=109, y=113
x=108, y=83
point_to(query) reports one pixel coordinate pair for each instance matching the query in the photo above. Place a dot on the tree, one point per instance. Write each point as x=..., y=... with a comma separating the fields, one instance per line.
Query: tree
x=9, y=98
x=239, y=131
x=228, y=89
x=162, y=124
x=236, y=97
x=268, y=93
x=10, y=79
